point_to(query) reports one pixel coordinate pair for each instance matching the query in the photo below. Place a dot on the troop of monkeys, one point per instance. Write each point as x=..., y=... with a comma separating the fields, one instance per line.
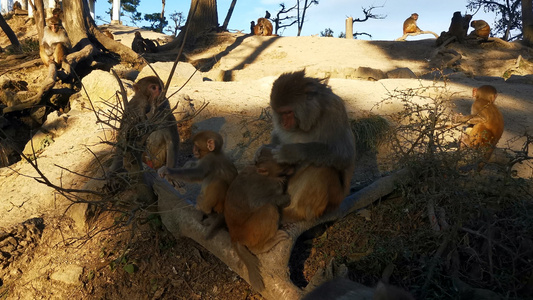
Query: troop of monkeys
x=304, y=172
x=458, y=28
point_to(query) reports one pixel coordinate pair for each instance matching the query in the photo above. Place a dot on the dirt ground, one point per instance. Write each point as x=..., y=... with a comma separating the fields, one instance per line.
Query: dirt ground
x=52, y=257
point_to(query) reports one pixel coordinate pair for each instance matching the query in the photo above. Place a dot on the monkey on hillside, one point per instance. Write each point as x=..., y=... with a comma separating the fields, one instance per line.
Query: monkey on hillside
x=252, y=210
x=55, y=43
x=409, y=25
x=252, y=26
x=213, y=169
x=161, y=143
x=312, y=131
x=481, y=29
x=486, y=121
x=263, y=27
x=410, y=28
x=141, y=45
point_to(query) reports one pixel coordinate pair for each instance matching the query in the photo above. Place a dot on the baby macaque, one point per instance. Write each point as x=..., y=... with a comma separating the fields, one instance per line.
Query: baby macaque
x=55, y=43
x=213, y=169
x=252, y=210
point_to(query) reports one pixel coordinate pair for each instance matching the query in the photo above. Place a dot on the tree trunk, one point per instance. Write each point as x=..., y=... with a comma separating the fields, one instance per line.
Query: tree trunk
x=228, y=16
x=161, y=26
x=527, y=22
x=204, y=20
x=10, y=34
x=82, y=31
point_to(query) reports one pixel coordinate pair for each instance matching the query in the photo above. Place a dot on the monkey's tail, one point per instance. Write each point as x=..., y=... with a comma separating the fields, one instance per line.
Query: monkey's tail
x=252, y=264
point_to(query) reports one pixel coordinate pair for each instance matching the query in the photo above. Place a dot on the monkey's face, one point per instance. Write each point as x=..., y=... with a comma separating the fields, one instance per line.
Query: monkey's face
x=54, y=27
x=287, y=118
x=196, y=151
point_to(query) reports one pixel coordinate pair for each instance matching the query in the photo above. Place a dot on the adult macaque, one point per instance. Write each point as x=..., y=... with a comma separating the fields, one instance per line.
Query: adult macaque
x=55, y=43
x=252, y=26
x=481, y=29
x=311, y=131
x=409, y=25
x=252, y=210
x=213, y=169
x=163, y=143
x=486, y=121
x=263, y=27
x=141, y=45
x=410, y=28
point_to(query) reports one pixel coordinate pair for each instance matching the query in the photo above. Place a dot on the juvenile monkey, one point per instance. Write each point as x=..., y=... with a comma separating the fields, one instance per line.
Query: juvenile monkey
x=409, y=25
x=55, y=43
x=213, y=169
x=162, y=144
x=311, y=131
x=481, y=29
x=252, y=210
x=486, y=121
x=410, y=28
x=263, y=27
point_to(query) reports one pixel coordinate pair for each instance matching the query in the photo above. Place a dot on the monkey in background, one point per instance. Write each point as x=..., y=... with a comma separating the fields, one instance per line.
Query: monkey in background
x=252, y=26
x=485, y=120
x=311, y=131
x=161, y=144
x=263, y=27
x=481, y=30
x=141, y=45
x=213, y=169
x=409, y=25
x=55, y=43
x=252, y=210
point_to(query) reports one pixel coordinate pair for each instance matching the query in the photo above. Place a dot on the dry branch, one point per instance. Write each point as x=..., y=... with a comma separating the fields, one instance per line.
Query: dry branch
x=183, y=220
x=417, y=33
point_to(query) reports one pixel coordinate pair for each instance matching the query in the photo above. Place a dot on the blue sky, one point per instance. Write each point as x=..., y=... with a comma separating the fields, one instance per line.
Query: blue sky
x=434, y=15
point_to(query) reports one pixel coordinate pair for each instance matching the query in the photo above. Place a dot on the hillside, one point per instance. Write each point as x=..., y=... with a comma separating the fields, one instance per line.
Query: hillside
x=46, y=258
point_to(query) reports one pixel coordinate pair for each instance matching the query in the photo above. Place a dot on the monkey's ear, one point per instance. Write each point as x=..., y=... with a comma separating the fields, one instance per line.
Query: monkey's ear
x=474, y=92
x=211, y=145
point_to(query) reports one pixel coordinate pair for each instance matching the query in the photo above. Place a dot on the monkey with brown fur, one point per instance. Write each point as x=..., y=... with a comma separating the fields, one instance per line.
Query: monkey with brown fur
x=486, y=122
x=213, y=169
x=137, y=44
x=252, y=210
x=311, y=131
x=55, y=43
x=263, y=27
x=481, y=30
x=409, y=25
x=161, y=143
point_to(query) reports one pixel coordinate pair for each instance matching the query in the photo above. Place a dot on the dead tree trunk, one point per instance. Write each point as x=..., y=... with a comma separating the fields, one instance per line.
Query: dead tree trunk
x=10, y=34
